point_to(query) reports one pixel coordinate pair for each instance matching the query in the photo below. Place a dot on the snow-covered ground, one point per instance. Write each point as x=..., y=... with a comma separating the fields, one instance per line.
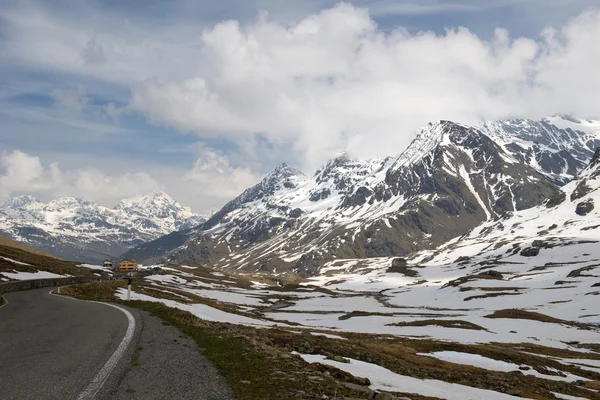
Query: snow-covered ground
x=14, y=261
x=384, y=379
x=22, y=276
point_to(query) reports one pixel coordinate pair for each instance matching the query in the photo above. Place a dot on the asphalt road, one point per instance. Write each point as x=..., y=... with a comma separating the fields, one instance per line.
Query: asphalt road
x=53, y=347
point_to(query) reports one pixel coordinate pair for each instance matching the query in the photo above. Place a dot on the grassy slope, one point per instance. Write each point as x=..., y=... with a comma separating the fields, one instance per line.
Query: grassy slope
x=258, y=363
x=38, y=261
x=6, y=242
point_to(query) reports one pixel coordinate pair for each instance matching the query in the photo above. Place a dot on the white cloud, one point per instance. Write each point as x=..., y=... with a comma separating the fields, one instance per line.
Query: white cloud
x=208, y=184
x=295, y=92
x=25, y=173
x=213, y=177
x=334, y=80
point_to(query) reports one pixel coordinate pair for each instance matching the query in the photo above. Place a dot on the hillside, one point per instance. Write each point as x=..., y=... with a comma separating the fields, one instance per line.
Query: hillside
x=509, y=309
x=6, y=242
x=19, y=262
x=451, y=178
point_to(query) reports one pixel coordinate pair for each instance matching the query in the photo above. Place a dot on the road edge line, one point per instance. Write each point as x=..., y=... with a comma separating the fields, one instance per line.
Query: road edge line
x=96, y=384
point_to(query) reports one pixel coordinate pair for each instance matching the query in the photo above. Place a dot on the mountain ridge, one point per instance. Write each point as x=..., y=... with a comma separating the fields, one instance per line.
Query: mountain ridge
x=451, y=178
x=73, y=228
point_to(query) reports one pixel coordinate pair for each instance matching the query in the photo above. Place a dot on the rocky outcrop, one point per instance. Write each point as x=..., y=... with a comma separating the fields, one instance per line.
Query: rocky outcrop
x=449, y=180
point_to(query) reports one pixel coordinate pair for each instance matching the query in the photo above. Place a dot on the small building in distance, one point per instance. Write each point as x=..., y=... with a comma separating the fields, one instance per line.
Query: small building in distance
x=108, y=264
x=127, y=266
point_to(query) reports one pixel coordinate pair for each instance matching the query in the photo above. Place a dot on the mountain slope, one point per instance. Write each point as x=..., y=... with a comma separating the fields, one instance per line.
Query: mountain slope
x=450, y=179
x=571, y=217
x=76, y=229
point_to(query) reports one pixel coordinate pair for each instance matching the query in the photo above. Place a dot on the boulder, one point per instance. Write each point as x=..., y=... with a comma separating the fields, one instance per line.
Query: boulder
x=530, y=252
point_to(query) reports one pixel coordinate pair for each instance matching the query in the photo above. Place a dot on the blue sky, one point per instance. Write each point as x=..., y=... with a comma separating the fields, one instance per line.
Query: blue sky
x=108, y=99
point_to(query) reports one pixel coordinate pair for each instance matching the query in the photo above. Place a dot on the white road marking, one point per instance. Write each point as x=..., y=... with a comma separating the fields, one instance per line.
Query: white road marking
x=92, y=389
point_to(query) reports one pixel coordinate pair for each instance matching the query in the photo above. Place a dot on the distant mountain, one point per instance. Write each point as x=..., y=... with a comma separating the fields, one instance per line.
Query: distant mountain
x=76, y=229
x=449, y=180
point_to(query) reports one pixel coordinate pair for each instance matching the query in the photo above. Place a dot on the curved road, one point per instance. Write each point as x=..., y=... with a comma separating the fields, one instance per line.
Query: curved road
x=53, y=347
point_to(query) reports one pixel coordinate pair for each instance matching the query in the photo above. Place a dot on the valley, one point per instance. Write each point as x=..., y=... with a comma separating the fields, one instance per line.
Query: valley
x=489, y=292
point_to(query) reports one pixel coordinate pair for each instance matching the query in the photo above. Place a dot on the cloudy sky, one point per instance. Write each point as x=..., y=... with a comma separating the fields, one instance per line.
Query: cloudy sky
x=106, y=99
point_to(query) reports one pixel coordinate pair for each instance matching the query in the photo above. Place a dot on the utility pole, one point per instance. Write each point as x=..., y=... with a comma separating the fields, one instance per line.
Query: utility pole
x=129, y=288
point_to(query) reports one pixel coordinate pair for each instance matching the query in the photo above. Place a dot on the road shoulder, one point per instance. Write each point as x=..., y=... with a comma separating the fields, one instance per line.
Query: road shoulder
x=165, y=363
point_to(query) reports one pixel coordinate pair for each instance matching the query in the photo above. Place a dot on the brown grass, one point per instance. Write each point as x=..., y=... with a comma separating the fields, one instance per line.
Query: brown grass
x=275, y=373
x=6, y=242
x=363, y=314
x=496, y=294
x=38, y=262
x=534, y=316
x=441, y=322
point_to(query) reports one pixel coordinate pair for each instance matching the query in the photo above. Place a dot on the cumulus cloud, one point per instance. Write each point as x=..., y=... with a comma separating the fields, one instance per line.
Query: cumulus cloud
x=206, y=185
x=213, y=177
x=334, y=80
x=267, y=91
x=25, y=173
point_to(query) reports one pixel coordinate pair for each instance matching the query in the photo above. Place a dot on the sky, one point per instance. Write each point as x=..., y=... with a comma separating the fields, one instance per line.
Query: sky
x=107, y=99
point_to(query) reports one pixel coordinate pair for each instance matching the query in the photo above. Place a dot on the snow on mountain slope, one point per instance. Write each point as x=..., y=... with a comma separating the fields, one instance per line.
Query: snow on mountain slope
x=450, y=179
x=558, y=146
x=78, y=229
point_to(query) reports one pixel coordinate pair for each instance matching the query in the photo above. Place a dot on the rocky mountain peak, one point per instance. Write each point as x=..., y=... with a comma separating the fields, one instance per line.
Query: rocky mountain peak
x=21, y=201
x=450, y=178
x=84, y=230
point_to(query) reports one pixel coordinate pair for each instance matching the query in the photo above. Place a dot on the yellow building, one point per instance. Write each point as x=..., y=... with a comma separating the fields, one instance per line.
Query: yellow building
x=127, y=265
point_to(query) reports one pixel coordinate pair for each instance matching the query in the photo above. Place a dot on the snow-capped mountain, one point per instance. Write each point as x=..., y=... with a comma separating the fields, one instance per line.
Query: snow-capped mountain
x=570, y=217
x=83, y=230
x=451, y=178
x=558, y=146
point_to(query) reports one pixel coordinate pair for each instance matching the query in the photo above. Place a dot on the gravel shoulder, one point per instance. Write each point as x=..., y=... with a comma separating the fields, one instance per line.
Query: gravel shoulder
x=164, y=363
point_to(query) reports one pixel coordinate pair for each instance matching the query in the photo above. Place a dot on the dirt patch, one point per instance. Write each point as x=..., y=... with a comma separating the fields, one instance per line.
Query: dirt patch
x=441, y=322
x=534, y=316
x=497, y=294
x=579, y=272
x=363, y=314
x=484, y=275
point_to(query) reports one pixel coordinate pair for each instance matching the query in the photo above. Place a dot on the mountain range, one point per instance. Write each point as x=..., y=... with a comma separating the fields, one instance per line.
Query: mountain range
x=452, y=178
x=83, y=230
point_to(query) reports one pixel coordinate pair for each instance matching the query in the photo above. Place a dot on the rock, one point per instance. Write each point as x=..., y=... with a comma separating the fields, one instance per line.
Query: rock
x=399, y=262
x=494, y=274
x=339, y=359
x=530, y=252
x=384, y=396
x=295, y=213
x=557, y=198
x=581, y=190
x=584, y=208
x=357, y=387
